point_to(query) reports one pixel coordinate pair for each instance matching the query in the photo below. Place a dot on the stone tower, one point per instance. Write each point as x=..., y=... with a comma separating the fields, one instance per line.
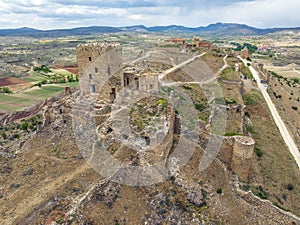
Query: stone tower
x=242, y=155
x=100, y=69
x=245, y=53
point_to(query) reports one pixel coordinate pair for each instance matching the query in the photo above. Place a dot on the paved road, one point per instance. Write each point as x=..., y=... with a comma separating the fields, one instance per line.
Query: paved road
x=280, y=124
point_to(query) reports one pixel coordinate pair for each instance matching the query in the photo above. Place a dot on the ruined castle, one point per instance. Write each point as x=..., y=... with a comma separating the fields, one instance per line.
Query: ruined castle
x=100, y=64
x=101, y=73
x=101, y=70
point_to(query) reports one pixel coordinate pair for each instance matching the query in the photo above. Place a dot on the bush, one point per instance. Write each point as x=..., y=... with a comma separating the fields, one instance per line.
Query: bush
x=199, y=107
x=296, y=80
x=43, y=68
x=5, y=90
x=3, y=135
x=290, y=187
x=229, y=101
x=258, y=152
x=295, y=108
x=247, y=114
x=246, y=187
x=219, y=190
x=24, y=126
x=230, y=134
x=162, y=102
x=260, y=192
x=16, y=136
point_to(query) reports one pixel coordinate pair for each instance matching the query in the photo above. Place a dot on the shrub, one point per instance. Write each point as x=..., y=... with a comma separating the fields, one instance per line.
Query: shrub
x=229, y=101
x=219, y=190
x=295, y=108
x=229, y=134
x=24, y=126
x=199, y=107
x=258, y=152
x=290, y=187
x=260, y=192
x=246, y=187
x=162, y=102
x=3, y=135
x=5, y=90
x=16, y=136
x=247, y=114
x=43, y=68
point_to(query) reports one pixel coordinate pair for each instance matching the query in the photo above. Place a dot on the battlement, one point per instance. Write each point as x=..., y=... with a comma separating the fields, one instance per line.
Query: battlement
x=97, y=48
x=244, y=140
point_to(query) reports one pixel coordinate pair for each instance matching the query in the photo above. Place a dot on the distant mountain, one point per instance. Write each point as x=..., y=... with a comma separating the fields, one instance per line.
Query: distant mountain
x=217, y=29
x=16, y=32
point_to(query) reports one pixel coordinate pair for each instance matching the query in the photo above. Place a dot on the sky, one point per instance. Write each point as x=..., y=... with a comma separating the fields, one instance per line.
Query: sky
x=57, y=14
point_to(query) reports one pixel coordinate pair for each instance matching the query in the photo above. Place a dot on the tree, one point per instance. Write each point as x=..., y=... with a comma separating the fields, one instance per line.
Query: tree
x=6, y=90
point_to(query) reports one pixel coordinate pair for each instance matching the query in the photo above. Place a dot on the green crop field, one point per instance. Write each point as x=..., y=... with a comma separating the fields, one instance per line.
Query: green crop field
x=20, y=100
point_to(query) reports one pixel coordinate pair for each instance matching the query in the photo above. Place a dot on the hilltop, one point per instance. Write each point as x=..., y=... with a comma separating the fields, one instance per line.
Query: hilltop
x=217, y=29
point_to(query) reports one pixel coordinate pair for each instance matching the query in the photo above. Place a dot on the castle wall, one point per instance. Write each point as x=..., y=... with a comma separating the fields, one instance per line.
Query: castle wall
x=100, y=68
x=241, y=156
x=163, y=149
x=148, y=82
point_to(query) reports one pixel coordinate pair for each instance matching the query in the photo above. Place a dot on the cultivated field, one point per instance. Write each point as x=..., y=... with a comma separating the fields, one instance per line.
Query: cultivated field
x=32, y=96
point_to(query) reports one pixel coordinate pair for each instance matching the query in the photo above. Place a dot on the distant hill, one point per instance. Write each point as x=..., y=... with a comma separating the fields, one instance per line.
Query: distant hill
x=217, y=29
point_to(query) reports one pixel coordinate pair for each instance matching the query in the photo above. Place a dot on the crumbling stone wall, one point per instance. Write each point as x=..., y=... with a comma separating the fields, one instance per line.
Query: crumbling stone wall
x=149, y=82
x=241, y=156
x=236, y=152
x=164, y=148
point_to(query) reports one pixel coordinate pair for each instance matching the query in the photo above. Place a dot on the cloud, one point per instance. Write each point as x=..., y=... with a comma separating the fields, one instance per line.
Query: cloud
x=50, y=14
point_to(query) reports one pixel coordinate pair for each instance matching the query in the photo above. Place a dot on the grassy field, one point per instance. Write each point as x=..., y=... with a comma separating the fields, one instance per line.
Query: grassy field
x=231, y=60
x=213, y=60
x=20, y=100
x=230, y=74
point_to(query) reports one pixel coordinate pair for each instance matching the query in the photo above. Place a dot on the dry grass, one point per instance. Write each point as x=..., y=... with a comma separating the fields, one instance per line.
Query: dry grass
x=276, y=166
x=213, y=60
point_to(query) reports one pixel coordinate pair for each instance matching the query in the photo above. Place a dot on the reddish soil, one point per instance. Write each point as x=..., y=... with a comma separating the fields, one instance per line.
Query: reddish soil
x=8, y=81
x=71, y=69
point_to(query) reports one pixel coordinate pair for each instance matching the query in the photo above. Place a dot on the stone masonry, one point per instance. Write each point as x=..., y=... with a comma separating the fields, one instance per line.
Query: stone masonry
x=100, y=69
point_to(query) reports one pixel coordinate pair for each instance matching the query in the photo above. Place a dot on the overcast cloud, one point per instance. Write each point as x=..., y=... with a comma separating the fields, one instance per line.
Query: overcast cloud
x=55, y=14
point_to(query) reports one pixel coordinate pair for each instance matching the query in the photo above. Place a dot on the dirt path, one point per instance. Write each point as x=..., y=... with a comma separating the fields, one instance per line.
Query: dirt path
x=194, y=82
x=296, y=71
x=225, y=65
